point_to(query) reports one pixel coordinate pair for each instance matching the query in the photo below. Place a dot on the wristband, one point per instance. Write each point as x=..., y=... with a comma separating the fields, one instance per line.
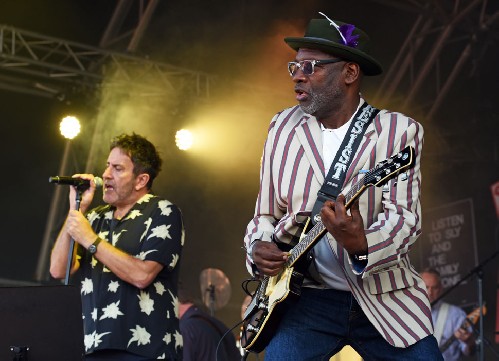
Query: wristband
x=360, y=257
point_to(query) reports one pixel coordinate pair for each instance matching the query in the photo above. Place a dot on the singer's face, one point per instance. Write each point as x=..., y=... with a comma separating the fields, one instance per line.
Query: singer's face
x=321, y=92
x=119, y=180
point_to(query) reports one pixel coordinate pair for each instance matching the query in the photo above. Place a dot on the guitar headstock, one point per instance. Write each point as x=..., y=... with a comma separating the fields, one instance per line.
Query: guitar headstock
x=391, y=167
x=474, y=315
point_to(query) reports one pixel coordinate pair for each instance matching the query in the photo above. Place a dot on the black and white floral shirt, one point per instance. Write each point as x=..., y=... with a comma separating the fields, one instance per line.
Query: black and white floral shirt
x=116, y=314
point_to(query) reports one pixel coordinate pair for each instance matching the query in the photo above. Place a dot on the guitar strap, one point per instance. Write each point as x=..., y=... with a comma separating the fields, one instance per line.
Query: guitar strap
x=440, y=321
x=336, y=176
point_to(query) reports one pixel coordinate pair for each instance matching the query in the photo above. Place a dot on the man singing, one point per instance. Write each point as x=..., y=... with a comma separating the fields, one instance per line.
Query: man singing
x=128, y=255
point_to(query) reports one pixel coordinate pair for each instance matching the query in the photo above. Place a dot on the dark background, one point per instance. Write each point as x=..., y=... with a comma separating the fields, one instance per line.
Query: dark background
x=215, y=185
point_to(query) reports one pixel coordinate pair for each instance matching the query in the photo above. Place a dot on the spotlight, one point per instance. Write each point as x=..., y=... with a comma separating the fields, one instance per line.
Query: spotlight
x=183, y=139
x=69, y=127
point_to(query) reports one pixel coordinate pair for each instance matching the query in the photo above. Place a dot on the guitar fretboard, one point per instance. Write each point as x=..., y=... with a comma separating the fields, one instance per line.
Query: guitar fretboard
x=318, y=230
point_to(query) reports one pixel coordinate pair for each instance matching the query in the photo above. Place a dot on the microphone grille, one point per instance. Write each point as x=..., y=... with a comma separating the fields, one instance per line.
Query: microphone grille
x=98, y=182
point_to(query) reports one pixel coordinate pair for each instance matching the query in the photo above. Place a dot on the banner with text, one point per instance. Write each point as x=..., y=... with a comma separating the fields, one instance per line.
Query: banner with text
x=448, y=244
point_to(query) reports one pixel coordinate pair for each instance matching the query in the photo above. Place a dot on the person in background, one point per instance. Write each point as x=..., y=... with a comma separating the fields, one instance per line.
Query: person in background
x=361, y=289
x=127, y=253
x=206, y=338
x=449, y=321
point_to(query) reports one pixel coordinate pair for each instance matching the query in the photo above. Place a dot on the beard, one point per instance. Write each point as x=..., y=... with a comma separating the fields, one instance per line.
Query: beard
x=317, y=101
x=321, y=102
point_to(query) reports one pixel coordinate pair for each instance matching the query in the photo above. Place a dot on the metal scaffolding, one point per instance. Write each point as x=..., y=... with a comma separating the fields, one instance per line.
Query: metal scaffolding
x=466, y=25
x=50, y=67
x=45, y=66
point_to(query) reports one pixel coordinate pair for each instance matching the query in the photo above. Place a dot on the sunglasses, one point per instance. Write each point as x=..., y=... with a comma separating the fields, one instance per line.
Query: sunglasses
x=308, y=66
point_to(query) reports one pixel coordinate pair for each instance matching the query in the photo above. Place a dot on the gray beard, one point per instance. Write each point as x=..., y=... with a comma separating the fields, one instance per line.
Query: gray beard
x=318, y=102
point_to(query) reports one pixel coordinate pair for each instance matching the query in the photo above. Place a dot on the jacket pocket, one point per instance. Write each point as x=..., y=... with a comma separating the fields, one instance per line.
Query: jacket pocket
x=390, y=280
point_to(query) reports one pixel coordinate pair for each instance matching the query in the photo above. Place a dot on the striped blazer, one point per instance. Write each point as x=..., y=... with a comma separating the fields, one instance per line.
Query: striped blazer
x=389, y=290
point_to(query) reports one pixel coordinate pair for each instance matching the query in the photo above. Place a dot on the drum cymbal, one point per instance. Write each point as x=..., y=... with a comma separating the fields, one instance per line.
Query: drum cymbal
x=215, y=288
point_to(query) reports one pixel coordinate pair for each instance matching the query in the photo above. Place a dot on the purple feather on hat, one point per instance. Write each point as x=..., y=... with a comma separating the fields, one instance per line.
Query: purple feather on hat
x=347, y=31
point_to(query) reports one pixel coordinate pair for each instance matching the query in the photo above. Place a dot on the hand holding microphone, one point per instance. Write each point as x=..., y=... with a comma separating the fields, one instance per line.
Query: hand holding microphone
x=77, y=182
x=81, y=186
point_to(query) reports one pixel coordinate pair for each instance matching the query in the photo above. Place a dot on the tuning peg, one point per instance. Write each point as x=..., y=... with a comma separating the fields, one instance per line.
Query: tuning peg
x=317, y=218
x=404, y=176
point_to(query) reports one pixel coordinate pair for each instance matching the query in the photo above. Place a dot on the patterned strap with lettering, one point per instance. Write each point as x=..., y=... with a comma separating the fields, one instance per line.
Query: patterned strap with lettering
x=336, y=175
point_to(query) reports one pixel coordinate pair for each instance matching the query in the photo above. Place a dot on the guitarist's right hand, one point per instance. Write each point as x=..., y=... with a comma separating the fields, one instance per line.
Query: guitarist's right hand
x=268, y=258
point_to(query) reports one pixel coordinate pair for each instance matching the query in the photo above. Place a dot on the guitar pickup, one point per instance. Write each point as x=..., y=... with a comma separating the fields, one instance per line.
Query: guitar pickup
x=252, y=328
x=262, y=305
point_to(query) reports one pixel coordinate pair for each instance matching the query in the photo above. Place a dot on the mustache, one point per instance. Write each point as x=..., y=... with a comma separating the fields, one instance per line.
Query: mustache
x=299, y=89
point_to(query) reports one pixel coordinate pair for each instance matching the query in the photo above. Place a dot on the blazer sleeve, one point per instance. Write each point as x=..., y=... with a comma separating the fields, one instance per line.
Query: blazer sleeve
x=397, y=223
x=267, y=213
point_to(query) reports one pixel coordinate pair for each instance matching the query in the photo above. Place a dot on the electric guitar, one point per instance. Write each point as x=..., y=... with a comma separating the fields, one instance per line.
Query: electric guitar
x=275, y=293
x=470, y=320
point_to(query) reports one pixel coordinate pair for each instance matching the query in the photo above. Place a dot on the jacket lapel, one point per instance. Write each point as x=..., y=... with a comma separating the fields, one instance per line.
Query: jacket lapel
x=309, y=134
x=361, y=158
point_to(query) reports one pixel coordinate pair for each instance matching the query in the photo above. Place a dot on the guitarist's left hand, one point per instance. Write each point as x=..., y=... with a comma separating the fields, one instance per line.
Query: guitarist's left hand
x=347, y=229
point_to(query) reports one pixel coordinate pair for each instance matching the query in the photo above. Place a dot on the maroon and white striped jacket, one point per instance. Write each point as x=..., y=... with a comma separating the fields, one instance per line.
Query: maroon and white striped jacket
x=389, y=290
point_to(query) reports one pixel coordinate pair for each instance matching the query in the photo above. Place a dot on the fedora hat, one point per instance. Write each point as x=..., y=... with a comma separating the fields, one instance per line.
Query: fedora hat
x=343, y=40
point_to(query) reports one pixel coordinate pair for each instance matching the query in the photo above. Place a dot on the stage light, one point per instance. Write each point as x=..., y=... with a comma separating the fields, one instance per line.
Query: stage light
x=184, y=139
x=70, y=127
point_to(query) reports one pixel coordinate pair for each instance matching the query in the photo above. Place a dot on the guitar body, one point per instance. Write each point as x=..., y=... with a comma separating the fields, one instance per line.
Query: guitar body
x=272, y=299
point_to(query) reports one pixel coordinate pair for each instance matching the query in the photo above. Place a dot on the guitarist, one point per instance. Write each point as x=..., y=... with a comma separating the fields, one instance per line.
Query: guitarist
x=361, y=289
x=449, y=320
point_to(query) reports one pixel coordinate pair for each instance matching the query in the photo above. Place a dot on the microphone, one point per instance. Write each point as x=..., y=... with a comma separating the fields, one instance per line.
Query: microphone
x=76, y=182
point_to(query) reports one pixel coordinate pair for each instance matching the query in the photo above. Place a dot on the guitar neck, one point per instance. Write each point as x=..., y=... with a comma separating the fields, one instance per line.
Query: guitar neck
x=447, y=343
x=377, y=176
x=318, y=230
x=309, y=240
